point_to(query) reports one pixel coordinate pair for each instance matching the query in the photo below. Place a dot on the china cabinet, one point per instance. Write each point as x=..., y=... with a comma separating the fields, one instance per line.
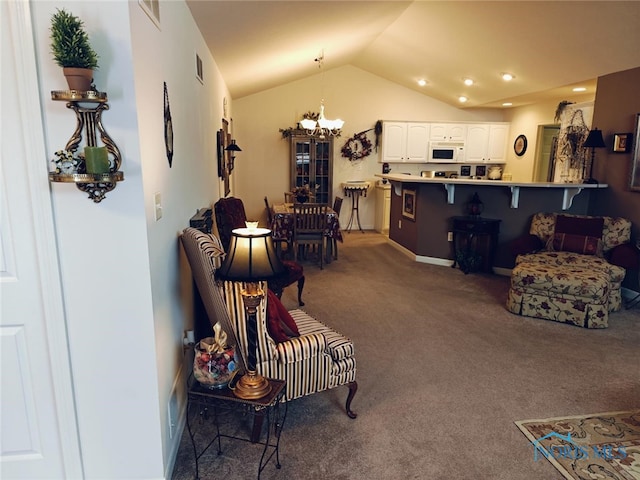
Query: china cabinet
x=312, y=164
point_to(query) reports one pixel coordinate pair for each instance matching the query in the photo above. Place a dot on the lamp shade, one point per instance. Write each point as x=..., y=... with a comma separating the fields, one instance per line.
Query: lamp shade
x=233, y=147
x=251, y=257
x=594, y=139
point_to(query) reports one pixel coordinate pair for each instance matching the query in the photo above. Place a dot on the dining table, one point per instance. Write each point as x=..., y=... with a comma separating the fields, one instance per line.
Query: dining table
x=282, y=226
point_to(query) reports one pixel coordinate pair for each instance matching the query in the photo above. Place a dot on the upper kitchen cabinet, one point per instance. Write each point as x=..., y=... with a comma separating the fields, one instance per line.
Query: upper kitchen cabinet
x=448, y=132
x=487, y=143
x=405, y=142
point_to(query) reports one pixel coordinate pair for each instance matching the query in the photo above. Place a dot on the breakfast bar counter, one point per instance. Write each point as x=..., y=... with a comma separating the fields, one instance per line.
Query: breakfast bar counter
x=422, y=208
x=570, y=190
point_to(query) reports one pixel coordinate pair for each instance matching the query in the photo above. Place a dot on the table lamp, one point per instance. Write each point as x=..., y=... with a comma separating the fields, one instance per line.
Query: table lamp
x=252, y=257
x=594, y=140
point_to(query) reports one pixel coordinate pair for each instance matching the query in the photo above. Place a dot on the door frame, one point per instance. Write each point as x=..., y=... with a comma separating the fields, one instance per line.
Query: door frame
x=40, y=203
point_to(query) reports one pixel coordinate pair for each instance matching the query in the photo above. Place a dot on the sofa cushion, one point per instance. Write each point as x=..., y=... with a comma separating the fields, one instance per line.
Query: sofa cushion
x=280, y=323
x=567, y=242
x=586, y=226
x=566, y=280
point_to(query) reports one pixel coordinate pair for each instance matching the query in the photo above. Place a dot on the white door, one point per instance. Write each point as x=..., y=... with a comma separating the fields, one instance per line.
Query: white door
x=39, y=434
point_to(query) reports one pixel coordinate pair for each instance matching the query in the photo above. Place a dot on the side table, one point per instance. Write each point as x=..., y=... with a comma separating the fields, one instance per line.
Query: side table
x=474, y=243
x=208, y=404
x=355, y=190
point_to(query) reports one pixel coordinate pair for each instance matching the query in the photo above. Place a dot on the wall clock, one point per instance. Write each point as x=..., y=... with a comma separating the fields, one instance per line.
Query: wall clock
x=520, y=145
x=168, y=127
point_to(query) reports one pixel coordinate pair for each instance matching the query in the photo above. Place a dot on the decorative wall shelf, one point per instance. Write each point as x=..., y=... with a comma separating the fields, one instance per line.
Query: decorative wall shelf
x=88, y=107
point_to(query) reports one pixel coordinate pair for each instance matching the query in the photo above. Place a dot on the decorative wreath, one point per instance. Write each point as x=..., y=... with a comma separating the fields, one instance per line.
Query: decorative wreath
x=351, y=150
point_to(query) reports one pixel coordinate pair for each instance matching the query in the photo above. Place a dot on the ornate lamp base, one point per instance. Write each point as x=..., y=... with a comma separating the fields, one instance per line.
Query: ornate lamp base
x=252, y=386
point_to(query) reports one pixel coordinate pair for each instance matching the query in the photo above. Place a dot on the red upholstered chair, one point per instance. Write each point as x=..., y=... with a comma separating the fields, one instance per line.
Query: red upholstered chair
x=230, y=214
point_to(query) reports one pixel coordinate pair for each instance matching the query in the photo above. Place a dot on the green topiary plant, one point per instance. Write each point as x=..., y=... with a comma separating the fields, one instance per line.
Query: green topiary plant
x=70, y=43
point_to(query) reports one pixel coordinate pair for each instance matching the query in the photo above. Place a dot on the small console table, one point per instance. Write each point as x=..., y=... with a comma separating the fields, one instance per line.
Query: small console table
x=204, y=405
x=355, y=190
x=474, y=242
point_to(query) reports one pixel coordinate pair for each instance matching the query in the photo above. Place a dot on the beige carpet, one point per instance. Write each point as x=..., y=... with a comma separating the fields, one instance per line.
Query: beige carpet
x=588, y=447
x=444, y=371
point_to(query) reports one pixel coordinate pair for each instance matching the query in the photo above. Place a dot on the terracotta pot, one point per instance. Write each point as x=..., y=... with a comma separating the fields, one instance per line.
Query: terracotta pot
x=78, y=78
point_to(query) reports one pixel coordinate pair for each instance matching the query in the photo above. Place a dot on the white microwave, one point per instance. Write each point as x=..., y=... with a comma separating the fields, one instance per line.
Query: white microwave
x=446, y=152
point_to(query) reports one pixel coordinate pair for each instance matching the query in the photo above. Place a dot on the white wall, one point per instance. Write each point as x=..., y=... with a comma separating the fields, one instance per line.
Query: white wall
x=357, y=97
x=127, y=291
x=525, y=121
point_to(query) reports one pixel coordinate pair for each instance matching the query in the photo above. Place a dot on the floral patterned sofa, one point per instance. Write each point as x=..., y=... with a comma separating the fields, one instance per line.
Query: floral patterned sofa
x=568, y=269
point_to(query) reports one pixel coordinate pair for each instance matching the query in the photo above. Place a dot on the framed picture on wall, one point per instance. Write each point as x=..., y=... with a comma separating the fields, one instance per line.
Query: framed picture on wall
x=220, y=152
x=622, y=142
x=409, y=204
x=634, y=183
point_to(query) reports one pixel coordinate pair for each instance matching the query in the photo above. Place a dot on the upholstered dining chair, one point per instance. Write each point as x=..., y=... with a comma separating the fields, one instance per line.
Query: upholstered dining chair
x=309, y=226
x=230, y=214
x=337, y=206
x=316, y=360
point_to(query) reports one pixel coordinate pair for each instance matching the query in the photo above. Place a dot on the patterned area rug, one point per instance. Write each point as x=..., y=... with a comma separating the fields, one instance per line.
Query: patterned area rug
x=588, y=447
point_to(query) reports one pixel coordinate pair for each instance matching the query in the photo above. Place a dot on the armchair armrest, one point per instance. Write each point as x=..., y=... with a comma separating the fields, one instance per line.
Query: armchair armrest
x=528, y=243
x=301, y=348
x=626, y=256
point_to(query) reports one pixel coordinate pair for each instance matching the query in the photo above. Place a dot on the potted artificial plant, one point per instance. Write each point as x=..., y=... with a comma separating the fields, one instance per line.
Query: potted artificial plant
x=72, y=51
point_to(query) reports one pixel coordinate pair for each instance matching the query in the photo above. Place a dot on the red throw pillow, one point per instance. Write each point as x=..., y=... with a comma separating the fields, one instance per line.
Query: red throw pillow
x=588, y=227
x=280, y=323
x=584, y=244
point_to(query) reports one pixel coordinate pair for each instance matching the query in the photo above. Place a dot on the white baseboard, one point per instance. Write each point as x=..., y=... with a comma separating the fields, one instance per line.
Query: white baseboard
x=443, y=262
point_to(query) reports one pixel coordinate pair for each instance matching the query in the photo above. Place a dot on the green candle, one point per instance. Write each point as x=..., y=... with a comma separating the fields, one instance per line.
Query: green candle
x=96, y=160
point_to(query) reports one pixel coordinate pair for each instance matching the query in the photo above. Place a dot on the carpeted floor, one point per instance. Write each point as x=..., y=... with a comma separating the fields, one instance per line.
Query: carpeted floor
x=604, y=445
x=444, y=371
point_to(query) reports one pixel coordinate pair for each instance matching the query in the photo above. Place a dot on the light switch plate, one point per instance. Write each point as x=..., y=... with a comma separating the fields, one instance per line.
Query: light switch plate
x=157, y=201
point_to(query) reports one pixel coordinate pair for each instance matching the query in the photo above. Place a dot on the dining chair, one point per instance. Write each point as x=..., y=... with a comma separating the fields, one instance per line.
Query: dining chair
x=337, y=206
x=230, y=214
x=279, y=242
x=309, y=226
x=288, y=197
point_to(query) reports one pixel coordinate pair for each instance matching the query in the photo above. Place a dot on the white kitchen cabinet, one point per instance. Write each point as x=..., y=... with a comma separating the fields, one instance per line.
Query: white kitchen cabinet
x=497, y=148
x=383, y=208
x=477, y=143
x=448, y=132
x=486, y=143
x=405, y=142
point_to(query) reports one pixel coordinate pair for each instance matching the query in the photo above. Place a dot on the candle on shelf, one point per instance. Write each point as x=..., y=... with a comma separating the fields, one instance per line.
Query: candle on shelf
x=96, y=160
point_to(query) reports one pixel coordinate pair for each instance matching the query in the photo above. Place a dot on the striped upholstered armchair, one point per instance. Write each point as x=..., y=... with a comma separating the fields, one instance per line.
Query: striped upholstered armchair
x=317, y=360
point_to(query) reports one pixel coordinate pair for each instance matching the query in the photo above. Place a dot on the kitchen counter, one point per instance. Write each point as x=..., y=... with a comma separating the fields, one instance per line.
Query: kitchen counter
x=570, y=189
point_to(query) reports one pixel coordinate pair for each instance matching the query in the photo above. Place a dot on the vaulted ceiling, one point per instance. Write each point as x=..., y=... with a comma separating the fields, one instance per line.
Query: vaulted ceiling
x=550, y=47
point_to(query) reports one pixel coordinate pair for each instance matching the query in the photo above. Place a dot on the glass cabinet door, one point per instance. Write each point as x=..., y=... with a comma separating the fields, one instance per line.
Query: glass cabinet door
x=311, y=163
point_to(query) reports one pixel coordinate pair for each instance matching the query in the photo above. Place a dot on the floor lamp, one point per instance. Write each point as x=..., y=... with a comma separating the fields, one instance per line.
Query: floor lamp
x=594, y=140
x=251, y=258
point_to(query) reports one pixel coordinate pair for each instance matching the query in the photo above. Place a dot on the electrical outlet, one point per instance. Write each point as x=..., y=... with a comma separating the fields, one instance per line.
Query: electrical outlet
x=172, y=412
x=399, y=224
x=449, y=236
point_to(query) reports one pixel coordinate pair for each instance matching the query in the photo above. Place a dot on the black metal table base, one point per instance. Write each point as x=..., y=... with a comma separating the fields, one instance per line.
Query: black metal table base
x=209, y=405
x=355, y=194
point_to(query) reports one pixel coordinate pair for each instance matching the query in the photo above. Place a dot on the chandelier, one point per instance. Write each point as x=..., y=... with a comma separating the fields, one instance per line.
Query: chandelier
x=321, y=127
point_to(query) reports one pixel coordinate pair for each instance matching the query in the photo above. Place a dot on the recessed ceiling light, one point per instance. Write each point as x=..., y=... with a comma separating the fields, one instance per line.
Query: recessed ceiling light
x=422, y=82
x=507, y=77
x=462, y=99
x=507, y=104
x=468, y=81
x=580, y=89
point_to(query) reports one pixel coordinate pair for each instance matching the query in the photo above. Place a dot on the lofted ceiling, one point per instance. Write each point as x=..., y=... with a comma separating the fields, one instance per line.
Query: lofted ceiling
x=550, y=46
